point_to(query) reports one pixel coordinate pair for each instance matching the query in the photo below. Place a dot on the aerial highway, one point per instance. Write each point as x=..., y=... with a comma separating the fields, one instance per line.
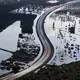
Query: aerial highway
x=48, y=49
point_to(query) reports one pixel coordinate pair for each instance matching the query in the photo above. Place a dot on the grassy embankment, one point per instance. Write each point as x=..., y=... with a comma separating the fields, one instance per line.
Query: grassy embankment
x=64, y=72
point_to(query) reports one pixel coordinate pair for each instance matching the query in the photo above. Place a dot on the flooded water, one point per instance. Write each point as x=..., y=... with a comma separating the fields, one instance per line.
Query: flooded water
x=9, y=39
x=3, y=72
x=9, y=36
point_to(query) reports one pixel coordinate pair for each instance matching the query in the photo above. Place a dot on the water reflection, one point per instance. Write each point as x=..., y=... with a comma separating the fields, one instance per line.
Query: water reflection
x=4, y=55
x=9, y=37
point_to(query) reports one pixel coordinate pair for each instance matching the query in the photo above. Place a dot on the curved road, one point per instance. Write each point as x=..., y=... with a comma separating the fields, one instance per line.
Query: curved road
x=47, y=47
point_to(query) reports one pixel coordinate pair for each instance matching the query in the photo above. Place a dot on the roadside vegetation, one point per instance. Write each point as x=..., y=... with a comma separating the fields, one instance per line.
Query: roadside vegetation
x=64, y=72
